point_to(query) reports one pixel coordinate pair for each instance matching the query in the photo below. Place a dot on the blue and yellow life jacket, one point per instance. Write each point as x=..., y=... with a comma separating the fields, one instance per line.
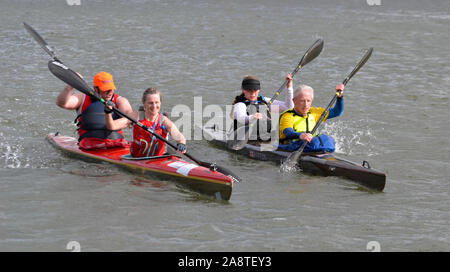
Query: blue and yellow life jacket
x=291, y=119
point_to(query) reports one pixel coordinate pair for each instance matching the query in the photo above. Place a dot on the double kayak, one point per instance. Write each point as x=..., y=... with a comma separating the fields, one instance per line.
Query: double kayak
x=192, y=176
x=322, y=164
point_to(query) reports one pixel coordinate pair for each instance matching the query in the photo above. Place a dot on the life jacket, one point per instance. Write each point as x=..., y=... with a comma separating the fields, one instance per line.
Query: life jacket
x=300, y=123
x=91, y=120
x=320, y=142
x=261, y=106
x=146, y=144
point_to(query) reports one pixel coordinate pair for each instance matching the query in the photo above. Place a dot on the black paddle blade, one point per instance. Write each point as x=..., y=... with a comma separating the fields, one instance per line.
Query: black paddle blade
x=71, y=78
x=359, y=65
x=240, y=138
x=312, y=52
x=40, y=40
x=292, y=159
x=236, y=145
x=215, y=167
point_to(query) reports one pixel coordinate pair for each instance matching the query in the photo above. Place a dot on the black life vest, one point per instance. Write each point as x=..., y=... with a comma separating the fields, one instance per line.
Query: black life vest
x=263, y=126
x=91, y=120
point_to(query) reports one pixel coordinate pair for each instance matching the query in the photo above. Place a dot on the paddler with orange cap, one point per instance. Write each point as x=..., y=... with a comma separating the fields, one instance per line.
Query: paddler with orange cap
x=90, y=119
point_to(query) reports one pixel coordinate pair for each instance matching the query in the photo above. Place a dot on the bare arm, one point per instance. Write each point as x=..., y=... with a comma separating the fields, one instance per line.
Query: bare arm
x=174, y=132
x=124, y=105
x=69, y=101
x=118, y=123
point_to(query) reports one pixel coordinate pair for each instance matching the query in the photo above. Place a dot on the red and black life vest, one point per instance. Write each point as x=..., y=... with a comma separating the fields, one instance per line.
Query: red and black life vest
x=91, y=120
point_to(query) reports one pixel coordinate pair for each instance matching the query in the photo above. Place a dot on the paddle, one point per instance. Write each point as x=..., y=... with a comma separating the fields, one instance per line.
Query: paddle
x=40, y=41
x=241, y=134
x=291, y=161
x=67, y=75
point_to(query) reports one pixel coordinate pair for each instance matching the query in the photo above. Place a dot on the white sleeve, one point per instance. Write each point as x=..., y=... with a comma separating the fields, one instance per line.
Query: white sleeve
x=287, y=104
x=240, y=113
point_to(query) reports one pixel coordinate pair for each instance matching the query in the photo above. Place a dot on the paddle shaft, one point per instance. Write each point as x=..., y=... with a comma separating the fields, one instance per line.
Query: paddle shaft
x=293, y=158
x=278, y=92
x=41, y=41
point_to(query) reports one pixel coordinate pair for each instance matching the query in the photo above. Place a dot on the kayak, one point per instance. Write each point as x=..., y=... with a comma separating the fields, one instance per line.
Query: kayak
x=322, y=164
x=192, y=176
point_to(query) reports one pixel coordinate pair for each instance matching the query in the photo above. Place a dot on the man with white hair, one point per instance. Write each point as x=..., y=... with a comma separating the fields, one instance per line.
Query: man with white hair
x=297, y=123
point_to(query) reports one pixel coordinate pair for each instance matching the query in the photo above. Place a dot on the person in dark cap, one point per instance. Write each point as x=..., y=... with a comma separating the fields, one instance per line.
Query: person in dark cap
x=250, y=106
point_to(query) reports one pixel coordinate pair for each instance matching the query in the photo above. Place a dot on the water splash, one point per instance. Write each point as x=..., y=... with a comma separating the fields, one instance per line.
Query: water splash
x=352, y=137
x=11, y=156
x=289, y=168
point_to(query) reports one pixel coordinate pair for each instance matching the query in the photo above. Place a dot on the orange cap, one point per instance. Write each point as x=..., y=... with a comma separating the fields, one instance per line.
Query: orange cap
x=104, y=81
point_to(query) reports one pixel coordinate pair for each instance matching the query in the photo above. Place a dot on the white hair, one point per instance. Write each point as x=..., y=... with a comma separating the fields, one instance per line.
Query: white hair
x=303, y=88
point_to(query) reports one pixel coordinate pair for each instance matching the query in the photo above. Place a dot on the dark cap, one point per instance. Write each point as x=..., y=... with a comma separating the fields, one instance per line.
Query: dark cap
x=250, y=84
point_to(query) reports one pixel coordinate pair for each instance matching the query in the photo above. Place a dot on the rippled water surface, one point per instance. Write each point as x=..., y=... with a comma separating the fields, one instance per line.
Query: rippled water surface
x=396, y=117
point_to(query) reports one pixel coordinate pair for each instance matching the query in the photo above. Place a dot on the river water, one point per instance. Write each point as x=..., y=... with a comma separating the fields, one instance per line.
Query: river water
x=396, y=117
